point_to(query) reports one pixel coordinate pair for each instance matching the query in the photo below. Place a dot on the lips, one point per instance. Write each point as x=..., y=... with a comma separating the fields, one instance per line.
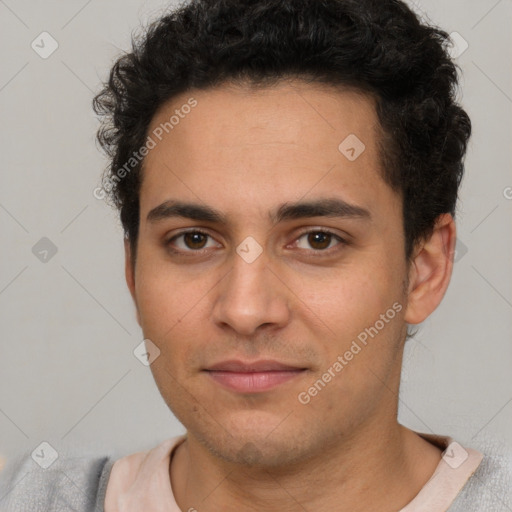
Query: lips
x=252, y=377
x=256, y=366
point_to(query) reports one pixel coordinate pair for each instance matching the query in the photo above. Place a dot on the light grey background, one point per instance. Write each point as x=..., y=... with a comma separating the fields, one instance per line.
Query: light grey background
x=68, y=375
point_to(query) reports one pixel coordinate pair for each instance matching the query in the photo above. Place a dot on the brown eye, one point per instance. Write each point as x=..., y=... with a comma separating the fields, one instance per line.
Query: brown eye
x=318, y=240
x=195, y=240
x=191, y=241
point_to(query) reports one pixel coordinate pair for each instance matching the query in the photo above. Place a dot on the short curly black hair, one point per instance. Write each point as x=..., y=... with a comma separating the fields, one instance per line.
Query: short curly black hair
x=376, y=46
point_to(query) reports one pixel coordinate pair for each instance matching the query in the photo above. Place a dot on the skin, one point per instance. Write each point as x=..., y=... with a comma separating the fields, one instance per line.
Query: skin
x=244, y=152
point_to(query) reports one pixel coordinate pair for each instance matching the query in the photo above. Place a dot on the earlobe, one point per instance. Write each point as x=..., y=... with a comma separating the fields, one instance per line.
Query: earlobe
x=129, y=272
x=431, y=270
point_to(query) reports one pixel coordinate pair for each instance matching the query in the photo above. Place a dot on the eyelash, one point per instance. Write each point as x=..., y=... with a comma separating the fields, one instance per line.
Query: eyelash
x=320, y=252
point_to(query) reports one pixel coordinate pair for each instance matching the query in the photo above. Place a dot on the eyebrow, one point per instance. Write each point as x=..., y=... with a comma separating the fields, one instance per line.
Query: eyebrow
x=329, y=207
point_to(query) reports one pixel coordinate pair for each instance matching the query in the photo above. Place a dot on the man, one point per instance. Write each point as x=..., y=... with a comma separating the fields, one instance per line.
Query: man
x=286, y=174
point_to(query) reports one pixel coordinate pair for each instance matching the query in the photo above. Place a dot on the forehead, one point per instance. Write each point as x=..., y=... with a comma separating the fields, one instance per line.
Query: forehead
x=239, y=144
x=289, y=112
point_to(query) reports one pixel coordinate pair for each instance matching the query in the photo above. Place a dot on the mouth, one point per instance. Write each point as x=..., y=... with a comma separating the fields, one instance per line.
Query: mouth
x=254, y=377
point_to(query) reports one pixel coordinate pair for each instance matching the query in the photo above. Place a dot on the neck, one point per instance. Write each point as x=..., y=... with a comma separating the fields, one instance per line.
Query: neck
x=381, y=468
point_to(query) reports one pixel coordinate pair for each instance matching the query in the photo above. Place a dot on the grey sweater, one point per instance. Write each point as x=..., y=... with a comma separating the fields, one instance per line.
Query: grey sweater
x=78, y=484
x=70, y=484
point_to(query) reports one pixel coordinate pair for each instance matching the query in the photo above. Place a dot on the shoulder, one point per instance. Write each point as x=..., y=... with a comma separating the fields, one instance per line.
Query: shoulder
x=490, y=486
x=71, y=483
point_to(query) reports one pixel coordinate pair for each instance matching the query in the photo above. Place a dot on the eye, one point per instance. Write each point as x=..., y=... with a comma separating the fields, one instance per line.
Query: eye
x=190, y=241
x=196, y=241
x=319, y=240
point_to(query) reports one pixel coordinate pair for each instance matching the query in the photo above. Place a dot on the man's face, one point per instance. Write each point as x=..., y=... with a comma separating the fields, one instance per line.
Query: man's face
x=211, y=300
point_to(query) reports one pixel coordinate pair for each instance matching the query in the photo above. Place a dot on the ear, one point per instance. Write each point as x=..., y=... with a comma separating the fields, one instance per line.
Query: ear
x=430, y=270
x=129, y=272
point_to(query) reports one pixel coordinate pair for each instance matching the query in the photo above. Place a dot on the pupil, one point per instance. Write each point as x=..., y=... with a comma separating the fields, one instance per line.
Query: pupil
x=319, y=240
x=193, y=240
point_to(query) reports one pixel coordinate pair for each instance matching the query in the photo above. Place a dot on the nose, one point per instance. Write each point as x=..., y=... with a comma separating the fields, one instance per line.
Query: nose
x=251, y=296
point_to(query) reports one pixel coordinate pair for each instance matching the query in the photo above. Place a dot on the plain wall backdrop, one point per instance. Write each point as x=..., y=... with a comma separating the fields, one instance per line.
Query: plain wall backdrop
x=68, y=375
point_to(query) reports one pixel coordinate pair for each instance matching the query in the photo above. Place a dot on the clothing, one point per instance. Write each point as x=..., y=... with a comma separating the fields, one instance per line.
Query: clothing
x=140, y=482
x=70, y=484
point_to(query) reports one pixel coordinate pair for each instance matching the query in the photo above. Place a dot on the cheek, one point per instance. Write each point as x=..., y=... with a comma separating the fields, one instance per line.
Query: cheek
x=166, y=296
x=159, y=304
x=355, y=315
x=171, y=310
x=348, y=299
x=361, y=318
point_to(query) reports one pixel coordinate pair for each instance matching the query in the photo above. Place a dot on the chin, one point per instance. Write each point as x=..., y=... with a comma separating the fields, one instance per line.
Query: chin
x=257, y=444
